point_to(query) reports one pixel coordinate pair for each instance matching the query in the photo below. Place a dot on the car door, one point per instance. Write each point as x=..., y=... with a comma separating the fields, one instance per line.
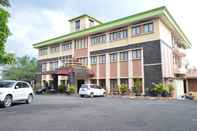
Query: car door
x=99, y=90
x=18, y=91
x=96, y=88
x=25, y=90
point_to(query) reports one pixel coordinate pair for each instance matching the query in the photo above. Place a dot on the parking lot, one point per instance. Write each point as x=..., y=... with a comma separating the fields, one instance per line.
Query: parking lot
x=71, y=113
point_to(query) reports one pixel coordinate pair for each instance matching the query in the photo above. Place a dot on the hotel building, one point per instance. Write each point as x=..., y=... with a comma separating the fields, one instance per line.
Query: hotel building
x=148, y=46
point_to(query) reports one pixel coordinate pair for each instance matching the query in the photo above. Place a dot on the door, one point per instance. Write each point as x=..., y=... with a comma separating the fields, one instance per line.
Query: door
x=18, y=91
x=179, y=85
x=79, y=83
x=25, y=91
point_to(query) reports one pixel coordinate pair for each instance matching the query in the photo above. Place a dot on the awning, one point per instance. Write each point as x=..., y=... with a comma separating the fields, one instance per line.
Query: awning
x=64, y=71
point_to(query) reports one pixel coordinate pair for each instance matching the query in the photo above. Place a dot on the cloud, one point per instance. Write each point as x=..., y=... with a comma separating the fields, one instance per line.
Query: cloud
x=36, y=20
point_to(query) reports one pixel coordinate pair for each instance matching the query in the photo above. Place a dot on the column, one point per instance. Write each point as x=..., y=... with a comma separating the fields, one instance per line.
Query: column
x=97, y=70
x=107, y=73
x=118, y=69
x=130, y=69
x=142, y=58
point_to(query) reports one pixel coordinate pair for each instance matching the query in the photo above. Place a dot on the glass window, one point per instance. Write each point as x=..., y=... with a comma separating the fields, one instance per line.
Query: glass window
x=25, y=85
x=6, y=84
x=98, y=39
x=83, y=61
x=81, y=43
x=66, y=46
x=148, y=27
x=53, y=65
x=54, y=49
x=113, y=57
x=44, y=67
x=93, y=59
x=77, y=25
x=124, y=56
x=91, y=22
x=135, y=30
x=102, y=59
x=136, y=54
x=43, y=51
x=118, y=35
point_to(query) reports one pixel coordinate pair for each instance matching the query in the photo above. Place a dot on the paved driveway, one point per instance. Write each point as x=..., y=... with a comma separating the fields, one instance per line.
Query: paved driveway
x=63, y=113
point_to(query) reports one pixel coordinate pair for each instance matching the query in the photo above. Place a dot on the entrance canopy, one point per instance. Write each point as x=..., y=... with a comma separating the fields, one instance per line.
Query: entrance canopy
x=79, y=71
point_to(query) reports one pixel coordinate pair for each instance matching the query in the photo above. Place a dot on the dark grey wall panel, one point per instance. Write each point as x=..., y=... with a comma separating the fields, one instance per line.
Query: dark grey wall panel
x=152, y=74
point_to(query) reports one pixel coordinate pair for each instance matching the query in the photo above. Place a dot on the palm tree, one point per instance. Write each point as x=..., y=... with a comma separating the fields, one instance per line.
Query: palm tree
x=5, y=3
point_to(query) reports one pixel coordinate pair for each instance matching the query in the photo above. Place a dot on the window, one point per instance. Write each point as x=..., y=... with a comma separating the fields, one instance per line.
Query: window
x=124, y=81
x=93, y=81
x=66, y=60
x=102, y=59
x=142, y=28
x=83, y=61
x=81, y=43
x=98, y=39
x=124, y=56
x=91, y=22
x=136, y=54
x=113, y=84
x=148, y=27
x=44, y=67
x=19, y=85
x=135, y=30
x=93, y=59
x=118, y=35
x=43, y=51
x=66, y=46
x=113, y=57
x=25, y=85
x=53, y=65
x=54, y=49
x=102, y=83
x=77, y=25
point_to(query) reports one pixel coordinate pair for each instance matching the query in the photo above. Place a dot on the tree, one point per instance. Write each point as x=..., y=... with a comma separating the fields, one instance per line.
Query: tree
x=24, y=69
x=5, y=58
x=5, y=3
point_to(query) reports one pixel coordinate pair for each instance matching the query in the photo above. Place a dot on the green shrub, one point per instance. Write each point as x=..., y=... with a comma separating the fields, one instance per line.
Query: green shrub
x=171, y=88
x=71, y=89
x=136, y=87
x=160, y=89
x=61, y=88
x=123, y=88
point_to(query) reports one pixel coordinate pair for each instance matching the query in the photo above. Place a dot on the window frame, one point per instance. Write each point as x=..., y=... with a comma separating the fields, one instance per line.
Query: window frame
x=123, y=53
x=93, y=60
x=102, y=59
x=112, y=56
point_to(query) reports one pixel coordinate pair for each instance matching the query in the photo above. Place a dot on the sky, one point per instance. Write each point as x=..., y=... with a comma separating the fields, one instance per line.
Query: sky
x=33, y=21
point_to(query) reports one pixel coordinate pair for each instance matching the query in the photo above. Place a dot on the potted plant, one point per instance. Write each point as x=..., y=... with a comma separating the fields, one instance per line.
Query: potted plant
x=136, y=87
x=123, y=89
x=71, y=89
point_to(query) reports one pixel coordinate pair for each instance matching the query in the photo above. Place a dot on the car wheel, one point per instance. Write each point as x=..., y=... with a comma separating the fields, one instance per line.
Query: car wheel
x=7, y=101
x=29, y=99
x=92, y=95
x=81, y=95
x=104, y=94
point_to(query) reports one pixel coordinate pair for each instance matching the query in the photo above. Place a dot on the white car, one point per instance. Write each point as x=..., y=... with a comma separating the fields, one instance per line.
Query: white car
x=12, y=91
x=91, y=90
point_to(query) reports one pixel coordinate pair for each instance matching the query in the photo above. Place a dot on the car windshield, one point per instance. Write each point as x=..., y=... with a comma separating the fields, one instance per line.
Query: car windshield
x=6, y=84
x=84, y=86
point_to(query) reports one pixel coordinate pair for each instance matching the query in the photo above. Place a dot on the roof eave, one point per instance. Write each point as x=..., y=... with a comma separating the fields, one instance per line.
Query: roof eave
x=134, y=18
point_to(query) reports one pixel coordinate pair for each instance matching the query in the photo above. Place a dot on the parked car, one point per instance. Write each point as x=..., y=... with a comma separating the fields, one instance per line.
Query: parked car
x=42, y=90
x=91, y=90
x=12, y=91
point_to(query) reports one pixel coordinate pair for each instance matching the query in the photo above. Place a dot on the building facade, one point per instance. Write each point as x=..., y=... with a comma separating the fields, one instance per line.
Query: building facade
x=147, y=46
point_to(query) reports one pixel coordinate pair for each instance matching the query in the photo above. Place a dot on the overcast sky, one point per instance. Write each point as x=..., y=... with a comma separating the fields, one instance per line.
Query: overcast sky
x=32, y=21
